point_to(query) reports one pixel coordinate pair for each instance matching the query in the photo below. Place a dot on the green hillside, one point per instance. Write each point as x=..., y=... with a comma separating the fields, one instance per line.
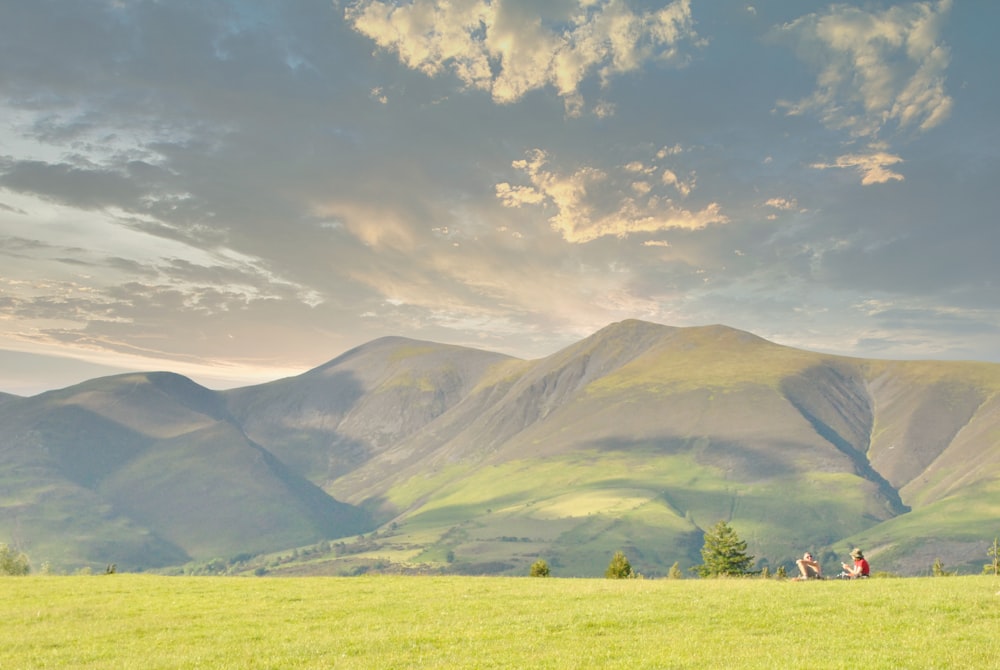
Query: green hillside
x=146, y=471
x=402, y=455
x=780, y=440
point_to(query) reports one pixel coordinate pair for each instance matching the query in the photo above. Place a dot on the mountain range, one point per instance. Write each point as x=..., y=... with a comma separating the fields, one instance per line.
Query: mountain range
x=416, y=456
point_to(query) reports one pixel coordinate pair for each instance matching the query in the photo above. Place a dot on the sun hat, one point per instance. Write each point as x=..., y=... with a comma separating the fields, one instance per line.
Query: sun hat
x=856, y=553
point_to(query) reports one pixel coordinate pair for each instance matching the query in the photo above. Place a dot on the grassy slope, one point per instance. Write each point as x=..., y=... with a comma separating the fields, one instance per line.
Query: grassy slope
x=933, y=419
x=215, y=494
x=144, y=471
x=598, y=472
x=773, y=434
x=575, y=510
x=651, y=431
x=127, y=621
x=53, y=452
x=326, y=423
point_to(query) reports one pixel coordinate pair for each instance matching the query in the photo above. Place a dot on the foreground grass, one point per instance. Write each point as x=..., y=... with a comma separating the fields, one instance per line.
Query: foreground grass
x=141, y=621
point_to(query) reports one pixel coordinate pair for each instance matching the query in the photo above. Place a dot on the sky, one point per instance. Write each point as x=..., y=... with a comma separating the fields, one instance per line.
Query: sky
x=242, y=190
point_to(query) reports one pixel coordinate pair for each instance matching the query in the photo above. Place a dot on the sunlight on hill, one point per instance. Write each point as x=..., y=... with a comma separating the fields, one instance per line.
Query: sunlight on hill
x=606, y=501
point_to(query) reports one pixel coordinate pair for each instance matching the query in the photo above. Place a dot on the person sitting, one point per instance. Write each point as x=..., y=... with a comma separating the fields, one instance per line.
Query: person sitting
x=858, y=570
x=809, y=567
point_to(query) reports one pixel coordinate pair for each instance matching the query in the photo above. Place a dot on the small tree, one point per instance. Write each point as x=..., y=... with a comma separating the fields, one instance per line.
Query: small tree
x=938, y=569
x=619, y=567
x=724, y=553
x=13, y=562
x=675, y=571
x=539, y=568
x=994, y=553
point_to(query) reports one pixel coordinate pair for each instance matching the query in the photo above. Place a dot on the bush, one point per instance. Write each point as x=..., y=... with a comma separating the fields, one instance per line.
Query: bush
x=13, y=562
x=619, y=567
x=675, y=571
x=539, y=568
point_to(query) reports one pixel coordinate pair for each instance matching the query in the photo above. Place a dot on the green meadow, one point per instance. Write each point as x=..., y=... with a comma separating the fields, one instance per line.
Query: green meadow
x=145, y=621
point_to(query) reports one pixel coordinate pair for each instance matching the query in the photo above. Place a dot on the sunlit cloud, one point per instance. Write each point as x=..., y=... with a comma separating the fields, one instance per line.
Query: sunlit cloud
x=878, y=71
x=590, y=203
x=270, y=184
x=785, y=204
x=874, y=167
x=683, y=187
x=509, y=48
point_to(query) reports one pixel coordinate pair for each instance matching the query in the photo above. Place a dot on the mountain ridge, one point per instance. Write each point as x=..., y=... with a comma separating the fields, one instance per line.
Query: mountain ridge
x=638, y=437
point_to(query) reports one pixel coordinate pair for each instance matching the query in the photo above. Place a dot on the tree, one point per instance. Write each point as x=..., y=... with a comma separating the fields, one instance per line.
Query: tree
x=724, y=553
x=938, y=569
x=539, y=568
x=13, y=562
x=994, y=553
x=675, y=571
x=619, y=567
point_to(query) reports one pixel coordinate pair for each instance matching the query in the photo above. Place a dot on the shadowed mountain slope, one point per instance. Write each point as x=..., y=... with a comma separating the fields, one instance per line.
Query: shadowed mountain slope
x=635, y=438
x=147, y=470
x=331, y=420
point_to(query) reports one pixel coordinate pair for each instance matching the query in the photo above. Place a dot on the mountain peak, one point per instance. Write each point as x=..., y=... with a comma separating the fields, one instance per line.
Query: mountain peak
x=635, y=436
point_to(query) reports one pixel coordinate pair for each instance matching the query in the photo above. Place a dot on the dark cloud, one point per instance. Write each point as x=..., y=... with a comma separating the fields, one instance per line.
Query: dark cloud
x=70, y=185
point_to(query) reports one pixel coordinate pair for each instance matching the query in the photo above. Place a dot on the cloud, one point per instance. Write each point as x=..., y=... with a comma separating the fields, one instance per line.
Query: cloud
x=511, y=47
x=785, y=204
x=591, y=203
x=878, y=71
x=683, y=187
x=874, y=166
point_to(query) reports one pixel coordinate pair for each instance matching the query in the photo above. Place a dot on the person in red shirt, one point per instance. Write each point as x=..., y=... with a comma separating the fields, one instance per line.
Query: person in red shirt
x=859, y=569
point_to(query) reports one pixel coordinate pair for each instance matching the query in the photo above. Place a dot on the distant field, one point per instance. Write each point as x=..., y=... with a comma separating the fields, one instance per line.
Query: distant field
x=141, y=621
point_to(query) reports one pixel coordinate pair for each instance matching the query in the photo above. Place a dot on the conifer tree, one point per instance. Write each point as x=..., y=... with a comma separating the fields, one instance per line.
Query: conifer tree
x=993, y=552
x=724, y=553
x=619, y=567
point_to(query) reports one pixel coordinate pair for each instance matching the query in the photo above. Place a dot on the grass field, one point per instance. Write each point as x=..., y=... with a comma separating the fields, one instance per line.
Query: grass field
x=142, y=621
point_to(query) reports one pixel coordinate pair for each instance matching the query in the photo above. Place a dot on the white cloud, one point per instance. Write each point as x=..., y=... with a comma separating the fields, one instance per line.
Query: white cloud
x=591, y=203
x=683, y=187
x=510, y=47
x=604, y=109
x=785, y=204
x=878, y=71
x=670, y=151
x=874, y=166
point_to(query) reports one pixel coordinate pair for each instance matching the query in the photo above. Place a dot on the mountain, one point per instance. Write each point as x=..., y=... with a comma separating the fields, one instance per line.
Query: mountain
x=148, y=470
x=635, y=438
